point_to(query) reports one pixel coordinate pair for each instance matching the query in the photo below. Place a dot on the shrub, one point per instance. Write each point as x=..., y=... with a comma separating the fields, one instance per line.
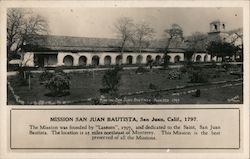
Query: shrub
x=174, y=74
x=58, y=84
x=111, y=80
x=141, y=70
x=45, y=76
x=198, y=77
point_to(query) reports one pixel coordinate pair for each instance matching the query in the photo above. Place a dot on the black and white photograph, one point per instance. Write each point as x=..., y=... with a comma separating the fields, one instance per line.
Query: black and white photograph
x=124, y=79
x=124, y=56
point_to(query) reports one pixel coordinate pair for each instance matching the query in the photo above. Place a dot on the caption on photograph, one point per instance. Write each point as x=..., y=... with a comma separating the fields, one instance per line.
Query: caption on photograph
x=124, y=128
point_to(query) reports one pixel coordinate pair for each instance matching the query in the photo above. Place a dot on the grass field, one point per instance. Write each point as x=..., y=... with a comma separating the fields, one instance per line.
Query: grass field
x=87, y=84
x=209, y=95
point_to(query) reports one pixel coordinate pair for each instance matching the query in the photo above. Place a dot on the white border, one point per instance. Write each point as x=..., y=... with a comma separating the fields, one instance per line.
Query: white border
x=6, y=153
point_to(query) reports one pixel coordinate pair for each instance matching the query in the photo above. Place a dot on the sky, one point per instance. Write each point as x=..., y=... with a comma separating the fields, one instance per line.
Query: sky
x=99, y=22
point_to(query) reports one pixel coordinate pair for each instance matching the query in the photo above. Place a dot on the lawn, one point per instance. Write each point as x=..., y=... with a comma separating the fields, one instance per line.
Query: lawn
x=220, y=94
x=86, y=85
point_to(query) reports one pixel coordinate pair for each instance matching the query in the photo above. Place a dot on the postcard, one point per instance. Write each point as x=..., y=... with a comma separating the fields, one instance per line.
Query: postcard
x=124, y=79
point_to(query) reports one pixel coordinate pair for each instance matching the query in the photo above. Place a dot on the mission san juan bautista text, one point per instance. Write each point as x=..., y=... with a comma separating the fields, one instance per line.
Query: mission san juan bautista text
x=168, y=125
x=110, y=119
x=151, y=120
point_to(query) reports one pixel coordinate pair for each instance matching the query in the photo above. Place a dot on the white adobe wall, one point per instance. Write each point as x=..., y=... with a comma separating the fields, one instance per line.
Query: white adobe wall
x=28, y=59
x=214, y=58
x=173, y=55
x=204, y=57
x=102, y=56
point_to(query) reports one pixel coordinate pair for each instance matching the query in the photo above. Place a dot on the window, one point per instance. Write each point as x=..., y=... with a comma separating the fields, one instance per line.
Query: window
x=223, y=26
x=215, y=27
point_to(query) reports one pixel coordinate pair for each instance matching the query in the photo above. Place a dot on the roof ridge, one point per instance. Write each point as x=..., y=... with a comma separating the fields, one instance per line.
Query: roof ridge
x=78, y=37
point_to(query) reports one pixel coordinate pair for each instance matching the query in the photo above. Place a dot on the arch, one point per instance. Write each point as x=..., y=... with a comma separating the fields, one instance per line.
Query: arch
x=167, y=58
x=95, y=60
x=107, y=60
x=205, y=58
x=215, y=27
x=177, y=58
x=129, y=59
x=139, y=59
x=158, y=59
x=118, y=60
x=82, y=60
x=198, y=58
x=68, y=60
x=149, y=58
x=223, y=26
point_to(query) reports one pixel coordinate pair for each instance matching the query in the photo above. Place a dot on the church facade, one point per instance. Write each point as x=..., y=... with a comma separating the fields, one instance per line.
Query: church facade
x=53, y=51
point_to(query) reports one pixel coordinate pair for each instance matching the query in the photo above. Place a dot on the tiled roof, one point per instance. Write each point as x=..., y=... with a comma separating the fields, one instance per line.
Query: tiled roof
x=77, y=44
x=68, y=41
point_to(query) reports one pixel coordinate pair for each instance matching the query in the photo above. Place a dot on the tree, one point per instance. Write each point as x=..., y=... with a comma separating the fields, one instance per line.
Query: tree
x=125, y=29
x=174, y=35
x=143, y=34
x=111, y=81
x=21, y=24
x=236, y=38
x=196, y=42
x=15, y=19
x=221, y=49
x=236, y=35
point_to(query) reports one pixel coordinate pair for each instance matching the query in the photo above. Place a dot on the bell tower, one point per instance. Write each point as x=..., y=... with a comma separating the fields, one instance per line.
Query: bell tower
x=217, y=31
x=217, y=26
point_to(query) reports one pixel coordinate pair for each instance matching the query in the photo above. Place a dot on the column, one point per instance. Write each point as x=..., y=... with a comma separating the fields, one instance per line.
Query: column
x=113, y=58
x=75, y=59
x=144, y=59
x=101, y=59
x=60, y=57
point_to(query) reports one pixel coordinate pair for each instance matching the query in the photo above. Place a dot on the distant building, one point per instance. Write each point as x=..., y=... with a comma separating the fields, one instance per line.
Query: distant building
x=217, y=31
x=53, y=51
